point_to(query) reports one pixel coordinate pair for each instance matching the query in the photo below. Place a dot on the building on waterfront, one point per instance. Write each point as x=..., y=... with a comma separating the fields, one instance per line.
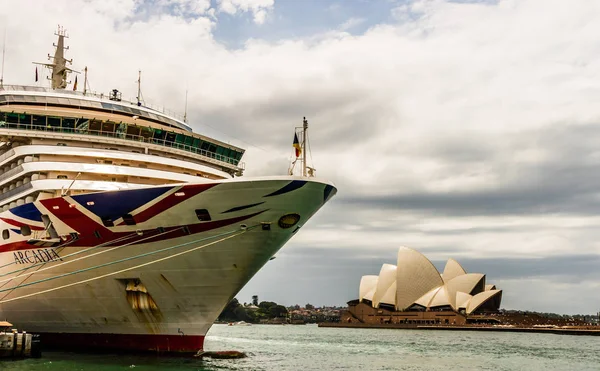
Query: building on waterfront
x=414, y=292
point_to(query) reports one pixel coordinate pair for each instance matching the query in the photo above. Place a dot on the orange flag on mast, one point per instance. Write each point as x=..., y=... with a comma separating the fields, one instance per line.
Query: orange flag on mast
x=297, y=145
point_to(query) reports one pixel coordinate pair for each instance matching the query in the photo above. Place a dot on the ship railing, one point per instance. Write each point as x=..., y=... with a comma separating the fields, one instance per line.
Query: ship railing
x=11, y=172
x=160, y=108
x=101, y=96
x=15, y=191
x=6, y=155
x=210, y=156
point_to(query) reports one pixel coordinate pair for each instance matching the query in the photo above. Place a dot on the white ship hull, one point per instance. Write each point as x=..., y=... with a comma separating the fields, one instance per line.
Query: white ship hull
x=157, y=285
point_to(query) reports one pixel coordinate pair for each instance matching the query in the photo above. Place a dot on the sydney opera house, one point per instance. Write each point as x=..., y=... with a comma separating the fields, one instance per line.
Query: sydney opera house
x=414, y=292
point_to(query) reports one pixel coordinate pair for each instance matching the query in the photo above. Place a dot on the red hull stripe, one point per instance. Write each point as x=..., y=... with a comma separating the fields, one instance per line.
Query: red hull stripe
x=20, y=224
x=75, y=219
x=107, y=236
x=170, y=201
x=203, y=227
x=123, y=342
x=15, y=246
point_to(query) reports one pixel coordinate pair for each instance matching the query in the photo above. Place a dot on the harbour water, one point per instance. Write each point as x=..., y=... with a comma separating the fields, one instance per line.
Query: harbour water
x=307, y=347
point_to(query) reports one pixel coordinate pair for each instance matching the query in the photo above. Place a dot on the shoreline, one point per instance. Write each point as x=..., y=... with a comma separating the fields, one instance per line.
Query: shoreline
x=558, y=331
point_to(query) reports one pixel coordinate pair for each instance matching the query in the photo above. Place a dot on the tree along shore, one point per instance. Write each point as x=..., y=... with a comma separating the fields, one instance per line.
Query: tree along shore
x=265, y=311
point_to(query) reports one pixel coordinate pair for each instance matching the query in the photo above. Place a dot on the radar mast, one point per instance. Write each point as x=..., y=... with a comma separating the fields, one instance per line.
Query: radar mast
x=58, y=66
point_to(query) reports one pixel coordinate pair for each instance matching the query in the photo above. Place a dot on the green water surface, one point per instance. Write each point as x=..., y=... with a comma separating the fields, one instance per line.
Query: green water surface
x=307, y=347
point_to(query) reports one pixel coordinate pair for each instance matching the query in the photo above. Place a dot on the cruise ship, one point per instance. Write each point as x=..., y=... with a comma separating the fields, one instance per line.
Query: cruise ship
x=120, y=227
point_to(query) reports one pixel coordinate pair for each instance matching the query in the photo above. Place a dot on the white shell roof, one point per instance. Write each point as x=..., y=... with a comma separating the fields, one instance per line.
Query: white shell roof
x=425, y=300
x=462, y=300
x=466, y=283
x=390, y=295
x=387, y=277
x=369, y=295
x=453, y=269
x=367, y=284
x=440, y=299
x=481, y=298
x=416, y=276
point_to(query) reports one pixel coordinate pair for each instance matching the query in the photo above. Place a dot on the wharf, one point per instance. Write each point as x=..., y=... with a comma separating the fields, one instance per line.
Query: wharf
x=543, y=330
x=14, y=344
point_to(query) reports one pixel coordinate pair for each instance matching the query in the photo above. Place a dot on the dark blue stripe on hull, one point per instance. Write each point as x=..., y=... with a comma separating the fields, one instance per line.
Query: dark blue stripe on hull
x=27, y=211
x=291, y=186
x=327, y=192
x=238, y=208
x=113, y=205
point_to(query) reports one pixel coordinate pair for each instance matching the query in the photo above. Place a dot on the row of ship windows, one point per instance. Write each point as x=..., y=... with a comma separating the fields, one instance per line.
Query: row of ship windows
x=120, y=130
x=202, y=214
x=87, y=104
x=25, y=231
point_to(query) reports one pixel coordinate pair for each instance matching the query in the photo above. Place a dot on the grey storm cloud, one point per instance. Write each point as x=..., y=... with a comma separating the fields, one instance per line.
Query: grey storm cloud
x=357, y=261
x=340, y=117
x=569, y=268
x=565, y=180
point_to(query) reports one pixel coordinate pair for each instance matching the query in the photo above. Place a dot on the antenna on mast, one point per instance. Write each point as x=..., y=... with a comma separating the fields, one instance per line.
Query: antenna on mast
x=139, y=94
x=85, y=81
x=185, y=111
x=301, y=149
x=304, y=130
x=3, y=53
x=58, y=66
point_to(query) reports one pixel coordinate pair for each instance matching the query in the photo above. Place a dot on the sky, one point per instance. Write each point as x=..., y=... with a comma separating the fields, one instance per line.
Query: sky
x=463, y=129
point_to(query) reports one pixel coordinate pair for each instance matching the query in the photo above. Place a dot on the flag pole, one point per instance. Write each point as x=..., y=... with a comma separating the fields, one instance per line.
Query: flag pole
x=85, y=81
x=3, y=53
x=139, y=83
x=305, y=128
x=185, y=111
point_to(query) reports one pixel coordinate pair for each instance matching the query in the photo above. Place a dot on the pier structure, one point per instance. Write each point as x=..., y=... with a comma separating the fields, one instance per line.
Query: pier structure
x=15, y=344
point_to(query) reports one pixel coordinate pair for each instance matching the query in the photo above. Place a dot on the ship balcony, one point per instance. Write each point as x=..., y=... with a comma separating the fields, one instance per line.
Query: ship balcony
x=15, y=94
x=9, y=129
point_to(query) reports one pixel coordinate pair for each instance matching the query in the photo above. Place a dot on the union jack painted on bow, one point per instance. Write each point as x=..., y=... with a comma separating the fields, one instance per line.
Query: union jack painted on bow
x=98, y=218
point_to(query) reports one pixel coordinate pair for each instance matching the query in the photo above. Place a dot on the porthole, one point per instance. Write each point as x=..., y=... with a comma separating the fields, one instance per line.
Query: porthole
x=5, y=234
x=203, y=215
x=128, y=219
x=288, y=220
x=108, y=222
x=25, y=230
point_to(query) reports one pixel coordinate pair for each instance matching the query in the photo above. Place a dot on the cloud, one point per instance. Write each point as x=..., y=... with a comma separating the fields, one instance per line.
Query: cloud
x=184, y=8
x=351, y=23
x=259, y=8
x=462, y=129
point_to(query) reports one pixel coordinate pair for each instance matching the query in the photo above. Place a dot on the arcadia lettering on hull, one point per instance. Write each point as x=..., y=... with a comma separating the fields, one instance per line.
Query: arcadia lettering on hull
x=36, y=256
